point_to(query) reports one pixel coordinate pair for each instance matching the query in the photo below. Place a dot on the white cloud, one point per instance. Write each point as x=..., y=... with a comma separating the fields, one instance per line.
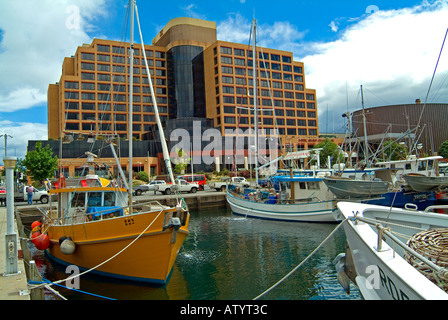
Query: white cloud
x=36, y=36
x=281, y=35
x=391, y=53
x=21, y=132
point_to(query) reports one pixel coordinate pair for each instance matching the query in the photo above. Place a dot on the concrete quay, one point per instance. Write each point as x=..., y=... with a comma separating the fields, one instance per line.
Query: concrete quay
x=12, y=287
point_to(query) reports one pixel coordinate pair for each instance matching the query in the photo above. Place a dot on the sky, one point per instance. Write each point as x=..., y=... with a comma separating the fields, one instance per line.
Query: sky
x=390, y=47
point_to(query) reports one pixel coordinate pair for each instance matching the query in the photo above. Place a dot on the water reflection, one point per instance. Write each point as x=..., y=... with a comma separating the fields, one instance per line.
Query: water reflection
x=231, y=257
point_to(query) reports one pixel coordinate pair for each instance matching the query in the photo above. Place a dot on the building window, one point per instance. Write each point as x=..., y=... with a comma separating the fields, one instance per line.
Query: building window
x=310, y=96
x=268, y=121
x=87, y=56
x=291, y=131
x=229, y=109
x=71, y=95
x=71, y=85
x=87, y=76
x=311, y=123
x=229, y=119
x=311, y=105
x=119, y=50
x=227, y=99
x=290, y=113
x=72, y=105
x=301, y=122
x=312, y=132
x=287, y=68
x=300, y=104
x=72, y=126
x=311, y=114
x=238, y=52
x=103, y=57
x=302, y=132
x=291, y=122
x=87, y=66
x=103, y=48
x=275, y=57
x=286, y=59
x=88, y=106
x=228, y=70
x=227, y=80
x=226, y=50
x=227, y=60
x=87, y=86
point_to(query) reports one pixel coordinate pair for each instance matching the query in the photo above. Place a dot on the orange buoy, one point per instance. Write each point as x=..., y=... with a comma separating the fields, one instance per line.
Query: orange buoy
x=42, y=242
x=34, y=236
x=35, y=224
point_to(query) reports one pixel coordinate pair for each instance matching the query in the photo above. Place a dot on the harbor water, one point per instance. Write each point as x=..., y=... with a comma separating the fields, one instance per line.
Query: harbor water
x=229, y=257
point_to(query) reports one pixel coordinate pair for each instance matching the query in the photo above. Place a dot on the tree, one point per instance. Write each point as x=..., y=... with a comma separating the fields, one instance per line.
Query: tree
x=394, y=151
x=443, y=150
x=329, y=148
x=40, y=163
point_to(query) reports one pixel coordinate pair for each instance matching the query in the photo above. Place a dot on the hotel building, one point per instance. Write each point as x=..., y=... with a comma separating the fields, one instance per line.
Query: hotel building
x=195, y=76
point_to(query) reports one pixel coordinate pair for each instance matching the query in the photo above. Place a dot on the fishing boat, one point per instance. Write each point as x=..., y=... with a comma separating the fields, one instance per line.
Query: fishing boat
x=97, y=227
x=421, y=182
x=355, y=188
x=381, y=264
x=298, y=198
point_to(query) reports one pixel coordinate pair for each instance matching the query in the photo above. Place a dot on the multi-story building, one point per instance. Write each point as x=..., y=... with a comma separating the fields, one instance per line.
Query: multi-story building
x=195, y=76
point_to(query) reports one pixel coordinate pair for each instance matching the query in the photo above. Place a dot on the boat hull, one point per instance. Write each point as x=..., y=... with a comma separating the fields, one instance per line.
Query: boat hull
x=420, y=182
x=385, y=274
x=313, y=211
x=349, y=188
x=149, y=259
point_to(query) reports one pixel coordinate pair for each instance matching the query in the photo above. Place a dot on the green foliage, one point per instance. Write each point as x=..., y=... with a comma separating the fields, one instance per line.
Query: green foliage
x=394, y=151
x=443, y=151
x=40, y=163
x=329, y=148
x=142, y=175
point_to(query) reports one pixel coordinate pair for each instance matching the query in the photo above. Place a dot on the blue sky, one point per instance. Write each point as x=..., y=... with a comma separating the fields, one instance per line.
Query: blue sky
x=388, y=46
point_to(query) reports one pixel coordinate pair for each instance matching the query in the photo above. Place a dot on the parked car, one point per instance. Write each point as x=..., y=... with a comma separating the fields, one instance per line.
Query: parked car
x=221, y=186
x=200, y=179
x=147, y=187
x=181, y=186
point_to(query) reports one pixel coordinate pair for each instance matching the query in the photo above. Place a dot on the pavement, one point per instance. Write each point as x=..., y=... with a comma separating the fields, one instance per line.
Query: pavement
x=11, y=285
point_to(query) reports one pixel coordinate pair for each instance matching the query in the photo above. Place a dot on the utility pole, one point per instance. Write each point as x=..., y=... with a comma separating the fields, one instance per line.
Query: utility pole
x=6, y=142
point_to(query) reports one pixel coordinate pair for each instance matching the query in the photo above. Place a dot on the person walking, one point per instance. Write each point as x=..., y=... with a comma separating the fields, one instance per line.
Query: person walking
x=29, y=191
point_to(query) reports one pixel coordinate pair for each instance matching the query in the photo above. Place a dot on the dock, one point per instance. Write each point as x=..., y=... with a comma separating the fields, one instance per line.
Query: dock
x=13, y=287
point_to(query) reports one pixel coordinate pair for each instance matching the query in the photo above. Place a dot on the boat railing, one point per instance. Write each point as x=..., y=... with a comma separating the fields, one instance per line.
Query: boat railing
x=386, y=231
x=81, y=216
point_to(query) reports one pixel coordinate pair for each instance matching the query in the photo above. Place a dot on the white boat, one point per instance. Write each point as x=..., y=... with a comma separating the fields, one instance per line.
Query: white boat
x=421, y=182
x=302, y=199
x=382, y=265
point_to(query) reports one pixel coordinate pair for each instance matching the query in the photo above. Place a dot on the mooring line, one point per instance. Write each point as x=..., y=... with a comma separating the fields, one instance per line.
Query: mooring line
x=301, y=263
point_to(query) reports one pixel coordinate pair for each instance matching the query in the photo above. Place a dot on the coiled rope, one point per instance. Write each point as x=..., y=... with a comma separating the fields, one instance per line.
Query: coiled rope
x=301, y=263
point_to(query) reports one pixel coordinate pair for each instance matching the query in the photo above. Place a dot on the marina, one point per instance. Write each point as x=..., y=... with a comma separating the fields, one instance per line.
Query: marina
x=128, y=200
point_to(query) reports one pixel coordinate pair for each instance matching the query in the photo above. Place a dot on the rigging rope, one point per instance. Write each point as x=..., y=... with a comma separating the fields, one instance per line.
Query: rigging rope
x=301, y=263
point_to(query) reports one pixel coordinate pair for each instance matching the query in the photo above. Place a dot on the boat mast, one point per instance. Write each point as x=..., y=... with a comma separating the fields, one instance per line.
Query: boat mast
x=254, y=53
x=366, y=146
x=131, y=99
x=166, y=155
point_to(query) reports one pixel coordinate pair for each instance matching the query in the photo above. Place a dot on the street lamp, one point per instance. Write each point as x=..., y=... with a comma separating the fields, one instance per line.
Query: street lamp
x=11, y=235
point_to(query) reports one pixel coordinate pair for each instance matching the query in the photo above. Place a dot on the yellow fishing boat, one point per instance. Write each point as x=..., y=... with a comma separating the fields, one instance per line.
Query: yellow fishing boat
x=93, y=228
